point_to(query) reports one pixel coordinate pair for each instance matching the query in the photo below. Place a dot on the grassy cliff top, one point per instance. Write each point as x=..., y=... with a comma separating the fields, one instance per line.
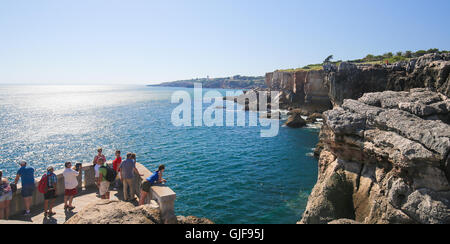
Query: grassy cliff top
x=373, y=59
x=306, y=68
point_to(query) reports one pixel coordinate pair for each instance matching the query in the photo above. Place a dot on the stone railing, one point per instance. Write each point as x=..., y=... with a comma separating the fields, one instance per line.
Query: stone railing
x=163, y=195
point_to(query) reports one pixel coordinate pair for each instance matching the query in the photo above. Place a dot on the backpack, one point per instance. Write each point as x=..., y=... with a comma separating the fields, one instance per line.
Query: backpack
x=111, y=174
x=43, y=184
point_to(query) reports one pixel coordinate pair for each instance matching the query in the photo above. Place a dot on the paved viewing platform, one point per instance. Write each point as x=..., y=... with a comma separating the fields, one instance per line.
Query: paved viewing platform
x=87, y=194
x=84, y=198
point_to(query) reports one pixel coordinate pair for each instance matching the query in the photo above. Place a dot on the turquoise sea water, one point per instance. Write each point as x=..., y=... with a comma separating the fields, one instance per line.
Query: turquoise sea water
x=227, y=174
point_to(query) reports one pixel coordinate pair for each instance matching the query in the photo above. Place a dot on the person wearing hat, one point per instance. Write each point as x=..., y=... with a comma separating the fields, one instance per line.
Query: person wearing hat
x=50, y=195
x=26, y=175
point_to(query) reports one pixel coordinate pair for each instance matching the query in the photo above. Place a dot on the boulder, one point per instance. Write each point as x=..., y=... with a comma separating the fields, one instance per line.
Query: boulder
x=295, y=120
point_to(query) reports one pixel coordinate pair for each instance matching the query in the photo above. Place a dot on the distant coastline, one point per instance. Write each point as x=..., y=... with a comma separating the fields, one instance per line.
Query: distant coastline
x=234, y=82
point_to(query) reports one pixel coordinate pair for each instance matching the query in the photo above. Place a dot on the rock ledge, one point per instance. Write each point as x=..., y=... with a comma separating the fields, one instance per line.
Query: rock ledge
x=384, y=159
x=118, y=212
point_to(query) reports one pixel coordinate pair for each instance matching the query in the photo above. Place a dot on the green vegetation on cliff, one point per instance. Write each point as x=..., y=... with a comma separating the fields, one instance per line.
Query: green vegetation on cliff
x=372, y=59
x=235, y=82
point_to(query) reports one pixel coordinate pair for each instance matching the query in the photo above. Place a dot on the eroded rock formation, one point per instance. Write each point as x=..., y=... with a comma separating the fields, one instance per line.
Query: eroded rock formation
x=295, y=120
x=118, y=212
x=301, y=89
x=384, y=159
x=351, y=81
x=313, y=90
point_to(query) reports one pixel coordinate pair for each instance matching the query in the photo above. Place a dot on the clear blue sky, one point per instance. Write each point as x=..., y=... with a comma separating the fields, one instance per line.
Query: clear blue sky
x=145, y=41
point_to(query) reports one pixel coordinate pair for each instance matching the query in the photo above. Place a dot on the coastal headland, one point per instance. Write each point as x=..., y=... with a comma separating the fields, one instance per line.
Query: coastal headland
x=385, y=141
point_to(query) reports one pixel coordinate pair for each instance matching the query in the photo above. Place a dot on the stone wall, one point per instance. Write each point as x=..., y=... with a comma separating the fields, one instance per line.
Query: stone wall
x=163, y=195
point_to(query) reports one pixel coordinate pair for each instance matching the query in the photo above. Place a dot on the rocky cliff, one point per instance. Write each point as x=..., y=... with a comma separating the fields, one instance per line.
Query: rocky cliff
x=315, y=89
x=301, y=89
x=384, y=158
x=351, y=81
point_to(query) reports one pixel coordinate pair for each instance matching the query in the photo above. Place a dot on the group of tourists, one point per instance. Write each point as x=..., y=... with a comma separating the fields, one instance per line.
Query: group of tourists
x=122, y=172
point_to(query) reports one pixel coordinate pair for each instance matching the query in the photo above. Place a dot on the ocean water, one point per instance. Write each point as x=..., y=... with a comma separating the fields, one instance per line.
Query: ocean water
x=227, y=174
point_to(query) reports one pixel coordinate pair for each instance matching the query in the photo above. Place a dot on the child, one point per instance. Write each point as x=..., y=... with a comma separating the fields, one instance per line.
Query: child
x=156, y=178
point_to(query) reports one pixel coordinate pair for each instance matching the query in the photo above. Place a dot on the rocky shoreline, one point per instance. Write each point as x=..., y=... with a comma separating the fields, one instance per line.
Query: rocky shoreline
x=385, y=141
x=384, y=159
x=384, y=146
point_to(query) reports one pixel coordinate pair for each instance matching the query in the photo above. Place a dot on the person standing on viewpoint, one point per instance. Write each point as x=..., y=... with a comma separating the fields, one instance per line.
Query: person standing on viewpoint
x=127, y=172
x=102, y=181
x=50, y=195
x=156, y=178
x=97, y=165
x=98, y=156
x=71, y=184
x=116, y=166
x=26, y=175
x=5, y=197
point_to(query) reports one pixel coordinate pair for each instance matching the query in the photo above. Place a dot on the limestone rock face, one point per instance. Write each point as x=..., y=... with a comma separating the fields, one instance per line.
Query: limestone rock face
x=302, y=89
x=351, y=81
x=280, y=81
x=318, y=90
x=384, y=159
x=118, y=212
x=315, y=88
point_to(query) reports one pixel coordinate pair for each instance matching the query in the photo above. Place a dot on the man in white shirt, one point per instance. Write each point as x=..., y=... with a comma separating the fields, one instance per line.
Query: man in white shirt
x=71, y=185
